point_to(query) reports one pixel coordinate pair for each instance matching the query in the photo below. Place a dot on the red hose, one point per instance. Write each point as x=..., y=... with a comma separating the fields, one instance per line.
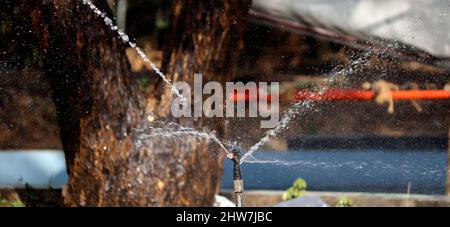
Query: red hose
x=361, y=95
x=352, y=95
x=246, y=97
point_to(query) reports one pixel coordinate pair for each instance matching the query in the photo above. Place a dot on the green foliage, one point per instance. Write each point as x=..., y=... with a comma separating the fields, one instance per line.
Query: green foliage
x=296, y=190
x=6, y=203
x=162, y=23
x=3, y=202
x=17, y=203
x=142, y=83
x=344, y=202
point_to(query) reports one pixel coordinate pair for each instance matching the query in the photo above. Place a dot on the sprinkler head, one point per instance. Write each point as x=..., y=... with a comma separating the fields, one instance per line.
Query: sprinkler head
x=231, y=156
x=235, y=156
x=235, y=153
x=238, y=183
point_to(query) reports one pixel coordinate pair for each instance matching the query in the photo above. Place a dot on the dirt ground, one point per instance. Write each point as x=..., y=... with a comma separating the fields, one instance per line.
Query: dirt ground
x=30, y=198
x=269, y=198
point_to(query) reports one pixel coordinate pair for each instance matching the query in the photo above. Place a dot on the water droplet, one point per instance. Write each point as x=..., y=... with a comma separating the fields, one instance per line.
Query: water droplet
x=107, y=21
x=125, y=38
x=107, y=185
x=150, y=118
x=88, y=164
x=140, y=179
x=97, y=11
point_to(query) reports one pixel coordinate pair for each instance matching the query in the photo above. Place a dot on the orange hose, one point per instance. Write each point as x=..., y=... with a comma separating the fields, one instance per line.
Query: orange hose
x=361, y=95
x=246, y=97
x=352, y=95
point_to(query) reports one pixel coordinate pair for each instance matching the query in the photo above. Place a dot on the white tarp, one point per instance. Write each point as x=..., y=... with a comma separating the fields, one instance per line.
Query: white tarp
x=423, y=24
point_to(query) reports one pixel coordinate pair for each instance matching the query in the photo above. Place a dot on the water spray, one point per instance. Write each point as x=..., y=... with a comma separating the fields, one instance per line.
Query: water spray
x=238, y=183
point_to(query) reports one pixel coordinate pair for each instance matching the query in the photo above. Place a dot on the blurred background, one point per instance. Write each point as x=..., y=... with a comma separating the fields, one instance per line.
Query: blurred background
x=340, y=146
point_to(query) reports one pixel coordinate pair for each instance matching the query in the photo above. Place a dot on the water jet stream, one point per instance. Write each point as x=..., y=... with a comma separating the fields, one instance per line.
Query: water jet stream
x=283, y=125
x=354, y=66
x=125, y=38
x=307, y=104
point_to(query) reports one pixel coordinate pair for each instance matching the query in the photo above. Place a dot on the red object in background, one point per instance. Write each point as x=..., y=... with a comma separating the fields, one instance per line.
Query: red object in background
x=352, y=95
x=362, y=95
x=239, y=97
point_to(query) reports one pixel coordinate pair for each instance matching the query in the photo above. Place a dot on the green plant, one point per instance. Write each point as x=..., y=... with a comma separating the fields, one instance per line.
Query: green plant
x=3, y=202
x=162, y=23
x=296, y=190
x=344, y=202
x=142, y=83
x=6, y=203
x=17, y=203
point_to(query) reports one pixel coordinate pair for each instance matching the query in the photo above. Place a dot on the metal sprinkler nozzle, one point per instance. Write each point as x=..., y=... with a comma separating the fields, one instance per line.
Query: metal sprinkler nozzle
x=238, y=182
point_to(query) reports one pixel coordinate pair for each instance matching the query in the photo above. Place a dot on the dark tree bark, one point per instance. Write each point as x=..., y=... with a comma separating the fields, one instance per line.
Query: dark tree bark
x=448, y=164
x=205, y=38
x=114, y=158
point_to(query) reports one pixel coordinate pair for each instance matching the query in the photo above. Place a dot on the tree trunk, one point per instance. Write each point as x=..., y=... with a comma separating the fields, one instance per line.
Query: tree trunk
x=448, y=164
x=115, y=157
